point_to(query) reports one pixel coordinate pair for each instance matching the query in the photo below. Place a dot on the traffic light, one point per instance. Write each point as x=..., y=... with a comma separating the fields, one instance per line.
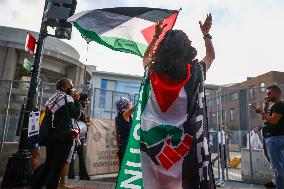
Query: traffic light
x=63, y=33
x=57, y=12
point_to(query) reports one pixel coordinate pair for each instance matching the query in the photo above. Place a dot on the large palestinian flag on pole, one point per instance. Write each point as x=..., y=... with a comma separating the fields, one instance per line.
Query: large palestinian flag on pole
x=168, y=146
x=125, y=29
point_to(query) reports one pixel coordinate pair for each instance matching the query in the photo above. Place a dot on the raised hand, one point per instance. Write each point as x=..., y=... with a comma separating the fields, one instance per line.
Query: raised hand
x=258, y=109
x=205, y=27
x=159, y=28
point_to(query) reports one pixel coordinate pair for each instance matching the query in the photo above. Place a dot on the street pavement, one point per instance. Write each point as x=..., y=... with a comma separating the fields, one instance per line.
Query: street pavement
x=79, y=184
x=95, y=184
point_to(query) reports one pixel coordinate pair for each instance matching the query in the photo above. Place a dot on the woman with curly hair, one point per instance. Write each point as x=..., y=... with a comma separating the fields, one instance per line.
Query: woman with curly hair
x=174, y=134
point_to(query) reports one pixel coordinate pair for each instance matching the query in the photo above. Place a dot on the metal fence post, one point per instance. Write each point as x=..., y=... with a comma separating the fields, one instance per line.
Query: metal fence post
x=227, y=144
x=94, y=102
x=111, y=104
x=223, y=150
x=248, y=129
x=218, y=125
x=6, y=119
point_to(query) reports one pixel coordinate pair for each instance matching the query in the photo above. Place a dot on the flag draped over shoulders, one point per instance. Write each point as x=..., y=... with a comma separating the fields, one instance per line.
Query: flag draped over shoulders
x=168, y=146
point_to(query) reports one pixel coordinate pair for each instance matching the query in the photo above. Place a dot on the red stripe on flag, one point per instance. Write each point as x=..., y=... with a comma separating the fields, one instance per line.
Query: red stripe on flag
x=187, y=140
x=149, y=32
x=163, y=84
x=182, y=149
x=164, y=161
x=171, y=154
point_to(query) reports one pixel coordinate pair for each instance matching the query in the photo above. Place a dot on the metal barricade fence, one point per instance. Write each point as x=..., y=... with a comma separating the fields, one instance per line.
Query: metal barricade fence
x=241, y=156
x=233, y=156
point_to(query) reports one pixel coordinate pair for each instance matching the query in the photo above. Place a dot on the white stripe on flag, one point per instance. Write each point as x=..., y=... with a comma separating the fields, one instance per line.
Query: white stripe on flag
x=176, y=114
x=130, y=30
x=152, y=173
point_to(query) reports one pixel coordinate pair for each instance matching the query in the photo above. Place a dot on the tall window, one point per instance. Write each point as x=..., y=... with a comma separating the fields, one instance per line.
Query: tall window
x=127, y=87
x=232, y=114
x=234, y=96
x=102, y=101
x=262, y=87
x=252, y=92
x=253, y=115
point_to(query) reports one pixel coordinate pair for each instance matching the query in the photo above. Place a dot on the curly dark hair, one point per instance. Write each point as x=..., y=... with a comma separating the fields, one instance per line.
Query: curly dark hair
x=61, y=82
x=173, y=54
x=84, y=96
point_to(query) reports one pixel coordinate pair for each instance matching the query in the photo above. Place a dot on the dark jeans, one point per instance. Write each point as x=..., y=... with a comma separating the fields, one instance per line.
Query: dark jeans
x=83, y=174
x=222, y=148
x=275, y=149
x=121, y=151
x=56, y=155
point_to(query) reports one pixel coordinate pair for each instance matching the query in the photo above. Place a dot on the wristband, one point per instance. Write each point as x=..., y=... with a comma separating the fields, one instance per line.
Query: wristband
x=156, y=36
x=207, y=36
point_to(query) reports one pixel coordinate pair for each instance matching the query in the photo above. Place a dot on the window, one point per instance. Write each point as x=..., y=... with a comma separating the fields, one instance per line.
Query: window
x=252, y=113
x=102, y=101
x=209, y=102
x=232, y=114
x=252, y=92
x=262, y=87
x=218, y=100
x=234, y=96
x=223, y=114
x=127, y=87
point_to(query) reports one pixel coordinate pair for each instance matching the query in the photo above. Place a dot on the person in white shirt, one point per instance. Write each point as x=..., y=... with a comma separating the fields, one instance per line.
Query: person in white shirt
x=222, y=145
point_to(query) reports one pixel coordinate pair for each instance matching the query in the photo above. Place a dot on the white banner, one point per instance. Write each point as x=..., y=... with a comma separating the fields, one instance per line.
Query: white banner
x=101, y=155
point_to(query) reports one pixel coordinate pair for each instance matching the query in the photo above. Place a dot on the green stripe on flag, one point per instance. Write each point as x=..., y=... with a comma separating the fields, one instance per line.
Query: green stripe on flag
x=114, y=43
x=130, y=174
x=159, y=133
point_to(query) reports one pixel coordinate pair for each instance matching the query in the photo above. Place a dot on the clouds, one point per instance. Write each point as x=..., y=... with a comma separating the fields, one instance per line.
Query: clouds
x=247, y=35
x=24, y=14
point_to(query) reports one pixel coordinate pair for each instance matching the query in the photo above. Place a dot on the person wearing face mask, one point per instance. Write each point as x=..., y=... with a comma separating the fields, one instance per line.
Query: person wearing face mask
x=60, y=142
x=79, y=148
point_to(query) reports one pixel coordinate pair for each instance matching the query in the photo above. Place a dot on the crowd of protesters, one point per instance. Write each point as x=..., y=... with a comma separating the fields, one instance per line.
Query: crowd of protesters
x=64, y=109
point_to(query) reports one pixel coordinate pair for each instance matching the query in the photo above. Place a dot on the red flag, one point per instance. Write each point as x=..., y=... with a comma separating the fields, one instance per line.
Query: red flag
x=30, y=44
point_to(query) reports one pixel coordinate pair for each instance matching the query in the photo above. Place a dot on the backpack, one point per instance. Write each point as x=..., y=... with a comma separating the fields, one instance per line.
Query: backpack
x=45, y=128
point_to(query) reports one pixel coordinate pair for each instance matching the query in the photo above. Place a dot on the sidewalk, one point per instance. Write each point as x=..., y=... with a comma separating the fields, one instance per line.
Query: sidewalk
x=94, y=184
x=237, y=185
x=79, y=184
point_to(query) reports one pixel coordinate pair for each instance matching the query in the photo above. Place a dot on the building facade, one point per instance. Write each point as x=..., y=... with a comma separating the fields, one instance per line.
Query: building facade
x=59, y=60
x=229, y=106
x=108, y=87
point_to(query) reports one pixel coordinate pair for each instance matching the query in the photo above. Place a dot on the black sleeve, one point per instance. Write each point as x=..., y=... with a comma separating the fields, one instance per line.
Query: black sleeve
x=74, y=109
x=82, y=117
x=202, y=67
x=279, y=108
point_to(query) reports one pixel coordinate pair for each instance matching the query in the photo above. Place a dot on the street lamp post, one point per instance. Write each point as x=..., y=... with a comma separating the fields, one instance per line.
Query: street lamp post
x=56, y=12
x=18, y=170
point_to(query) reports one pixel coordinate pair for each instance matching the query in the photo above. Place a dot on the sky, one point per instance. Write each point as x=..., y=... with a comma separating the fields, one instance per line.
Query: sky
x=247, y=34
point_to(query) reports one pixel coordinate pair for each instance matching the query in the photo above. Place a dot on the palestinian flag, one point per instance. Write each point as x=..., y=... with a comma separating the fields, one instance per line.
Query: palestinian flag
x=168, y=146
x=125, y=29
